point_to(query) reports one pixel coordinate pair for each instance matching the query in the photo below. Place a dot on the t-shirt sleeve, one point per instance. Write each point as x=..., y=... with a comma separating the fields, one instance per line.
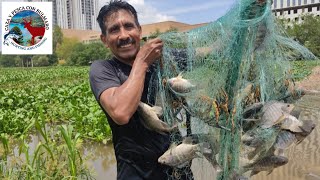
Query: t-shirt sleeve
x=102, y=76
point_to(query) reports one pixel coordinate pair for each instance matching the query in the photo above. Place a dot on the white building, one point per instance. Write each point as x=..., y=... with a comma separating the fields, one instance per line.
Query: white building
x=293, y=10
x=74, y=14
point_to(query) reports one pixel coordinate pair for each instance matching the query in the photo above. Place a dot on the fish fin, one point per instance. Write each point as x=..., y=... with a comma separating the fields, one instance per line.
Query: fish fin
x=180, y=75
x=254, y=172
x=280, y=119
x=269, y=172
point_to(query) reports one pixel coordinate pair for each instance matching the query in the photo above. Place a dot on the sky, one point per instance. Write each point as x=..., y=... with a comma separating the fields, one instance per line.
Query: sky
x=185, y=11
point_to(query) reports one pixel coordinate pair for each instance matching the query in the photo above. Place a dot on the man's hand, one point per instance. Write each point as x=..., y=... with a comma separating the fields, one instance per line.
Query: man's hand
x=150, y=52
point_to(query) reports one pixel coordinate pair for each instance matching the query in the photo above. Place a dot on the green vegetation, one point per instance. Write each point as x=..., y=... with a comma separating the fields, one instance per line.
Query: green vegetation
x=63, y=94
x=37, y=101
x=302, y=69
x=307, y=32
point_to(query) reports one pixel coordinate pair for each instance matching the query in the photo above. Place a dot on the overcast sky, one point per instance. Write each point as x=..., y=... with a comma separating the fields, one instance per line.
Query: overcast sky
x=186, y=11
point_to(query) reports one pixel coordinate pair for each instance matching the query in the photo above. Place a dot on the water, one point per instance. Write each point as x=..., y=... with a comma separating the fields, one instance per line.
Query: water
x=304, y=158
x=26, y=35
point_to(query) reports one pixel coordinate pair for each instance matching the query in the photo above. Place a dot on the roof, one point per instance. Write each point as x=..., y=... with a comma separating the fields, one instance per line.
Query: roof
x=147, y=30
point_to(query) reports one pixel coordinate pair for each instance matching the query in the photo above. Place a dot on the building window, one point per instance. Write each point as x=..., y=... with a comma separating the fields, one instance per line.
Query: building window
x=305, y=2
x=288, y=3
x=309, y=9
x=281, y=3
x=299, y=2
x=312, y=1
x=295, y=11
x=318, y=8
x=289, y=11
x=293, y=2
x=296, y=19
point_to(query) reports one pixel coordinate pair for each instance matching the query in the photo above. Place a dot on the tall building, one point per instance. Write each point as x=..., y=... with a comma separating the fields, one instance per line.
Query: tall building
x=293, y=10
x=74, y=14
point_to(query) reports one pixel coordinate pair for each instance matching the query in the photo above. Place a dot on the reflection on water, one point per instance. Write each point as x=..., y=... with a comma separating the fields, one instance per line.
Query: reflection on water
x=304, y=158
x=101, y=159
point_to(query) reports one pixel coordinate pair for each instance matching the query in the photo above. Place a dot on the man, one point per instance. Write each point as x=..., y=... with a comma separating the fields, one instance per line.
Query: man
x=119, y=84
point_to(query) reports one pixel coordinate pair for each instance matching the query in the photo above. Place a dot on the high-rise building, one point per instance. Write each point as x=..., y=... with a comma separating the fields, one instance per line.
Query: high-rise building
x=293, y=10
x=74, y=14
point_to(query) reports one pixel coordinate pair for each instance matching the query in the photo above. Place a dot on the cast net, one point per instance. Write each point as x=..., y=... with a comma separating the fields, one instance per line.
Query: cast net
x=220, y=83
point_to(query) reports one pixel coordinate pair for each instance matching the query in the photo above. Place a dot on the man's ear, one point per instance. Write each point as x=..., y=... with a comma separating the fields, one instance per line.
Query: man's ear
x=140, y=29
x=103, y=38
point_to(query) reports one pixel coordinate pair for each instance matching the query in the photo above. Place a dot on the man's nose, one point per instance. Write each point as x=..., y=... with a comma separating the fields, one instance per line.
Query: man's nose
x=123, y=34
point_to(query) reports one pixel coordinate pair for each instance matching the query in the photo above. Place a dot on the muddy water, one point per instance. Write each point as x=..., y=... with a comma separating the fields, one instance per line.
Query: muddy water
x=304, y=158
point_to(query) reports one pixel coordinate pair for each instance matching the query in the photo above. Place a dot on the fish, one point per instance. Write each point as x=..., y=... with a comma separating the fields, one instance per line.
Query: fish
x=284, y=140
x=307, y=127
x=182, y=154
x=267, y=163
x=261, y=139
x=180, y=85
x=290, y=122
x=212, y=141
x=273, y=111
x=150, y=118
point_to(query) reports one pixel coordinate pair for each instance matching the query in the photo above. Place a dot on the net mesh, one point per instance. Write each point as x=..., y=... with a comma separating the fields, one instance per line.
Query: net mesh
x=208, y=78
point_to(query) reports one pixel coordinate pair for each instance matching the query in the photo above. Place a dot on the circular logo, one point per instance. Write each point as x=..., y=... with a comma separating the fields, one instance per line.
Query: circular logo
x=28, y=26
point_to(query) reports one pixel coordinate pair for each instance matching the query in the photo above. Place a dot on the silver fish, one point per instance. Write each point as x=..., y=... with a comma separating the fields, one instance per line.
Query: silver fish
x=151, y=120
x=307, y=128
x=272, y=111
x=267, y=163
x=212, y=141
x=180, y=85
x=178, y=156
x=291, y=123
x=284, y=140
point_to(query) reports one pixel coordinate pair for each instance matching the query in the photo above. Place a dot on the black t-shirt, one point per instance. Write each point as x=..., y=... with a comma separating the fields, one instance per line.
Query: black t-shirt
x=136, y=147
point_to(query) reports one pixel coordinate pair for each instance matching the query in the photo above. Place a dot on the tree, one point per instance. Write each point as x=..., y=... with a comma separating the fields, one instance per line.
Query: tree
x=57, y=37
x=40, y=60
x=307, y=33
x=65, y=49
x=7, y=60
x=84, y=54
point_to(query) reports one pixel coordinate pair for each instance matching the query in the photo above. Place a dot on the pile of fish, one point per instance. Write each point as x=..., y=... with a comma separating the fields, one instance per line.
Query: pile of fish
x=269, y=128
x=277, y=128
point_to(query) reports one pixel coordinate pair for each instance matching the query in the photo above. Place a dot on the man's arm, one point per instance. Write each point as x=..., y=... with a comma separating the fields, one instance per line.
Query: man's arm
x=122, y=102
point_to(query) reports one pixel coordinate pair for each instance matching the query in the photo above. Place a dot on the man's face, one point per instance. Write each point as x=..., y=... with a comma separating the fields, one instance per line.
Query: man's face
x=122, y=35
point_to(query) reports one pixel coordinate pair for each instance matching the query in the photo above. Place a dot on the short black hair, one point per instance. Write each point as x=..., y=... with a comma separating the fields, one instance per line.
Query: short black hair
x=114, y=6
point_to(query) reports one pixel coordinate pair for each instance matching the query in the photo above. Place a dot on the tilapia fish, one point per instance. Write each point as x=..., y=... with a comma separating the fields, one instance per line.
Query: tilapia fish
x=212, y=141
x=178, y=156
x=180, y=85
x=273, y=111
x=267, y=163
x=284, y=140
x=150, y=118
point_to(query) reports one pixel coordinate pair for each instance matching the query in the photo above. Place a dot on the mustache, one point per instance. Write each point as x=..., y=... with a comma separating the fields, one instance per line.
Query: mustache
x=125, y=42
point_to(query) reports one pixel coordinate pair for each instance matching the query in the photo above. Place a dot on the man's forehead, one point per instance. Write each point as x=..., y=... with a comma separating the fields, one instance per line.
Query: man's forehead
x=109, y=19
